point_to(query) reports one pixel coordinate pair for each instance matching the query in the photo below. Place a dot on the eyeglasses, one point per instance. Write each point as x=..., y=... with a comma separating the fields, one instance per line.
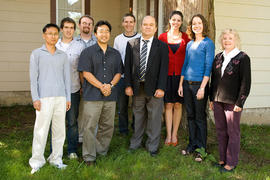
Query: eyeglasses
x=87, y=24
x=103, y=31
x=51, y=34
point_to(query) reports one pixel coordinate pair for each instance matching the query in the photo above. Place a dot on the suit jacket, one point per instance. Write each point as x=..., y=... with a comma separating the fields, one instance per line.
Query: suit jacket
x=234, y=86
x=156, y=70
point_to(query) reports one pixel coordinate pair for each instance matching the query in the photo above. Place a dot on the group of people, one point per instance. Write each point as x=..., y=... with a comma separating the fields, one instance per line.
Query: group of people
x=173, y=69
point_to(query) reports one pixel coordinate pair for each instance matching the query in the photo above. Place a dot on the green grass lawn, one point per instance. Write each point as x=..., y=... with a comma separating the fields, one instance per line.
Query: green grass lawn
x=16, y=133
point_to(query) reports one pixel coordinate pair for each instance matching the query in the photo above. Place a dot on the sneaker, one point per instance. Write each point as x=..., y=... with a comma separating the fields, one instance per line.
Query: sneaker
x=34, y=170
x=72, y=156
x=60, y=166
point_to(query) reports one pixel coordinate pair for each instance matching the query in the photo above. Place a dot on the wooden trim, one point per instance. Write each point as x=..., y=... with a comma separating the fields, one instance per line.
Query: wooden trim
x=156, y=7
x=156, y=10
x=148, y=7
x=131, y=6
x=53, y=11
x=87, y=7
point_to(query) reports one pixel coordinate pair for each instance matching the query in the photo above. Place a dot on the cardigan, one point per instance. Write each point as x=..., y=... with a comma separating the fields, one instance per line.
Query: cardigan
x=198, y=60
x=234, y=86
x=176, y=60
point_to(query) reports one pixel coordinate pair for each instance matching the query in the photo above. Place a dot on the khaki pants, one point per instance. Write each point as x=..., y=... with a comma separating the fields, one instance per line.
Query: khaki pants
x=53, y=109
x=101, y=114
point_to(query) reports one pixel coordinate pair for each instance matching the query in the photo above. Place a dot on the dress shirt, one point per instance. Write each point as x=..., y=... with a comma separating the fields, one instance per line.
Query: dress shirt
x=227, y=58
x=104, y=67
x=89, y=43
x=149, y=44
x=73, y=51
x=49, y=74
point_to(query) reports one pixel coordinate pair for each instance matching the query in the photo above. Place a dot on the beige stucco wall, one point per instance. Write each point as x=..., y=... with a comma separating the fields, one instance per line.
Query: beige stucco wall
x=20, y=32
x=251, y=18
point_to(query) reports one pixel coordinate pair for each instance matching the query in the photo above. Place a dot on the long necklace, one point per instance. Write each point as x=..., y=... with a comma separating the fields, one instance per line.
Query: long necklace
x=176, y=37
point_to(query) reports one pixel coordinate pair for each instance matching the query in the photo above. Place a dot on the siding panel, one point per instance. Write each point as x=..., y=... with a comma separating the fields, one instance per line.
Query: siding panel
x=20, y=32
x=251, y=18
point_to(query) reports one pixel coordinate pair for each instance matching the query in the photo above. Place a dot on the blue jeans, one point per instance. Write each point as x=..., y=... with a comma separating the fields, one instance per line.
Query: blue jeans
x=72, y=123
x=196, y=115
x=122, y=103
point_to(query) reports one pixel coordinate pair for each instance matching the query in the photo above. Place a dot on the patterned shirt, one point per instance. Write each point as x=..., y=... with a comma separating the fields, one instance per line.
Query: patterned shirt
x=89, y=43
x=73, y=52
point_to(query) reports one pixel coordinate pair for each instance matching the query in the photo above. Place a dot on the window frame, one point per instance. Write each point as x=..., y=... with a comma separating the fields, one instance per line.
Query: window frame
x=87, y=7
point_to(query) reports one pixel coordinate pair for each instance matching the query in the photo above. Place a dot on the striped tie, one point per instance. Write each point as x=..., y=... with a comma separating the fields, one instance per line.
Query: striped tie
x=143, y=60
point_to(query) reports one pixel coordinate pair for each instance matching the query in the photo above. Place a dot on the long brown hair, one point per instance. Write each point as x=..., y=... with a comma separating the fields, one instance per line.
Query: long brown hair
x=171, y=15
x=205, y=32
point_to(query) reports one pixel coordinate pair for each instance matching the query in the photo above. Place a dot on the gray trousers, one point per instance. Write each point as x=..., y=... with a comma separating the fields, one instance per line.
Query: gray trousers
x=147, y=111
x=101, y=114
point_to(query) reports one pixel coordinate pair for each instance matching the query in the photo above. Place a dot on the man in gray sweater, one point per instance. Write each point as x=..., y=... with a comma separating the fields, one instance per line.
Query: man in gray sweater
x=50, y=90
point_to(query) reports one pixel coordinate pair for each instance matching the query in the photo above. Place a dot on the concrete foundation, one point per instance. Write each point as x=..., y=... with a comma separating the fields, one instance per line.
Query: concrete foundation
x=249, y=116
x=15, y=97
x=253, y=116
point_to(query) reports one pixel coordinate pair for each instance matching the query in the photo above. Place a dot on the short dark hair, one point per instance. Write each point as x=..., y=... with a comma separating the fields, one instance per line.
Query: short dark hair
x=49, y=26
x=86, y=16
x=128, y=15
x=205, y=27
x=101, y=23
x=175, y=13
x=68, y=20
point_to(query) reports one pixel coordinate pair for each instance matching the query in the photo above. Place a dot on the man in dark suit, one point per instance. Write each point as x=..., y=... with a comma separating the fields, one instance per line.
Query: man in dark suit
x=146, y=67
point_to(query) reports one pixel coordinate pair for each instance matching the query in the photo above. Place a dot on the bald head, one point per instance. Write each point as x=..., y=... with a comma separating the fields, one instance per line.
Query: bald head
x=148, y=27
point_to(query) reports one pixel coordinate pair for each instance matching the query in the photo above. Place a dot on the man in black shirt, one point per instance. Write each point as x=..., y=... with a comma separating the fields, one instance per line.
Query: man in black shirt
x=101, y=66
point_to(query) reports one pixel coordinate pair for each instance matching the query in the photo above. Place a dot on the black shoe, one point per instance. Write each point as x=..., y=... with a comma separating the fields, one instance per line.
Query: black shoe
x=224, y=170
x=154, y=153
x=90, y=163
x=186, y=152
x=217, y=165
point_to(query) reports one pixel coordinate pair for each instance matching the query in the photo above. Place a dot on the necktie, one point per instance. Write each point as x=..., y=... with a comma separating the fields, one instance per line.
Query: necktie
x=143, y=55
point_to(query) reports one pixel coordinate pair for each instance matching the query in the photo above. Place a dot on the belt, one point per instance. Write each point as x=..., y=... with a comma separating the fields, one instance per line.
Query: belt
x=142, y=83
x=193, y=82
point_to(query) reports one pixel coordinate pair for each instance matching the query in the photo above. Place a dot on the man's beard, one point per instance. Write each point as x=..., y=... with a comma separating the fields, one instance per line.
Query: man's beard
x=86, y=30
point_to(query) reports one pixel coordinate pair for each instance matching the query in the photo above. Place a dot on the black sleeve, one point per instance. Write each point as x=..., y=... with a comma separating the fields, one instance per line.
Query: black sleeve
x=163, y=72
x=211, y=89
x=128, y=65
x=245, y=81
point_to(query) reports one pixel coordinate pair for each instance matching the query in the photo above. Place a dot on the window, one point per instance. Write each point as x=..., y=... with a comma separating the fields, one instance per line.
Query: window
x=69, y=8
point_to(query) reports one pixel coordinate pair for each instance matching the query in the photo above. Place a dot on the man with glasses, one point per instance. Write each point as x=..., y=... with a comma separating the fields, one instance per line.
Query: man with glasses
x=87, y=39
x=86, y=36
x=50, y=90
x=101, y=67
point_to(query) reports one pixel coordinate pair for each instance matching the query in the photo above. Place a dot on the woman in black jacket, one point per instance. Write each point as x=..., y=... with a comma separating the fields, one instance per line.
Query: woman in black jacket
x=230, y=86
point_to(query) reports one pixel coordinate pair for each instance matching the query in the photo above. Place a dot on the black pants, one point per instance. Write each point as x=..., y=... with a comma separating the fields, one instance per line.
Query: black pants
x=196, y=115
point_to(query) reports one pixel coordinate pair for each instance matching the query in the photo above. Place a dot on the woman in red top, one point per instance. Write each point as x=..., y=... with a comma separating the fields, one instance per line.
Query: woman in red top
x=177, y=42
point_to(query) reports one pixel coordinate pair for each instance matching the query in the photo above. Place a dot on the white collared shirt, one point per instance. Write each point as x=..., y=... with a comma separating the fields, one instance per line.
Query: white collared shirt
x=227, y=58
x=73, y=51
x=149, y=44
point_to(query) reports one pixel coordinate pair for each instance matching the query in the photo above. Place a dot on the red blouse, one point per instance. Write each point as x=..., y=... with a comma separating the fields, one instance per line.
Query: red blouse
x=176, y=60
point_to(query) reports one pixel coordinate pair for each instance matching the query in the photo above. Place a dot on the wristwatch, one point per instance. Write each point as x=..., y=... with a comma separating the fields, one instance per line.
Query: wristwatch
x=111, y=85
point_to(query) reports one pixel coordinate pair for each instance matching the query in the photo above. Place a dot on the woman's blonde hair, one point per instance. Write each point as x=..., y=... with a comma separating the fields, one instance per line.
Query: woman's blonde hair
x=236, y=35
